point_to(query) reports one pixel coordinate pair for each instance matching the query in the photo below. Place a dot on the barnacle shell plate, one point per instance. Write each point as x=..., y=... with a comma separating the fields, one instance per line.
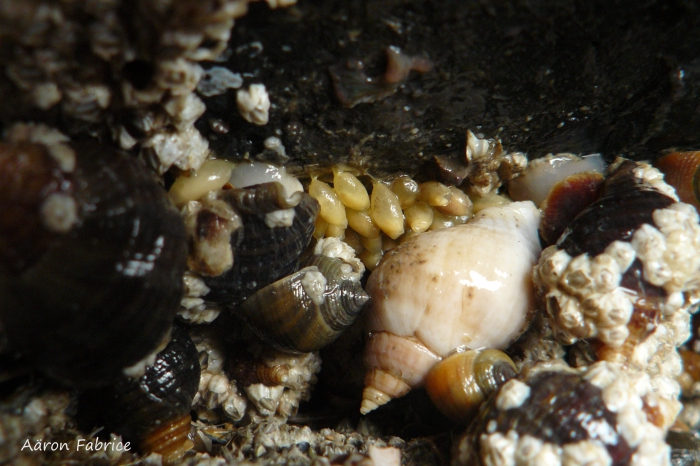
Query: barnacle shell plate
x=464, y=286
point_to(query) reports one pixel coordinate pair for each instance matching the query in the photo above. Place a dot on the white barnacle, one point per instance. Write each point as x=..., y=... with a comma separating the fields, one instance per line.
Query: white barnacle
x=280, y=218
x=59, y=212
x=254, y=104
x=512, y=395
x=585, y=453
x=577, y=278
x=498, y=449
x=314, y=284
x=553, y=262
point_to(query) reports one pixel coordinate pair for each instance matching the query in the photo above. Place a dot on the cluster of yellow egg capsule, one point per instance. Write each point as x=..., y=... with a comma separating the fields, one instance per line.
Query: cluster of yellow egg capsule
x=395, y=210
x=370, y=223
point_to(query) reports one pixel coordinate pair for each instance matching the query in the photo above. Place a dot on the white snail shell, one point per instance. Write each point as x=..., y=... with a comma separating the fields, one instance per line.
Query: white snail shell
x=466, y=286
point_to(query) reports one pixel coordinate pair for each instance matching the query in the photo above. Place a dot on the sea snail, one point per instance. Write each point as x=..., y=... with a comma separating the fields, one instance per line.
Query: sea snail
x=627, y=263
x=600, y=414
x=92, y=255
x=277, y=225
x=308, y=309
x=153, y=412
x=467, y=286
x=458, y=384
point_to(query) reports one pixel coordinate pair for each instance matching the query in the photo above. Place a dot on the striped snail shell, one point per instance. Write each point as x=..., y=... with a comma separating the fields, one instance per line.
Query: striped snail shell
x=681, y=170
x=92, y=255
x=262, y=253
x=153, y=411
x=458, y=384
x=308, y=309
x=262, y=198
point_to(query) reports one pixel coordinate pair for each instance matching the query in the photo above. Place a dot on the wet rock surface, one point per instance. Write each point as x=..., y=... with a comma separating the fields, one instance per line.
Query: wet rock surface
x=604, y=76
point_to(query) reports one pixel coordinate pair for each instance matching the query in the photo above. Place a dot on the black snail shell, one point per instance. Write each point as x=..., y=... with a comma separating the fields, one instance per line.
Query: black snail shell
x=600, y=223
x=92, y=255
x=152, y=411
x=308, y=309
x=263, y=254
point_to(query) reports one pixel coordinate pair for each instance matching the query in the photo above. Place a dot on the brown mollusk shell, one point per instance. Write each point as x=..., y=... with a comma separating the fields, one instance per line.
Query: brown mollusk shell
x=153, y=411
x=93, y=255
x=308, y=309
x=458, y=384
x=262, y=254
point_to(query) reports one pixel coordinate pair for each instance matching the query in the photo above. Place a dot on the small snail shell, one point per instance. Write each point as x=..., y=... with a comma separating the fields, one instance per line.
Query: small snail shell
x=680, y=170
x=263, y=254
x=152, y=411
x=469, y=285
x=261, y=199
x=308, y=309
x=92, y=255
x=601, y=414
x=458, y=384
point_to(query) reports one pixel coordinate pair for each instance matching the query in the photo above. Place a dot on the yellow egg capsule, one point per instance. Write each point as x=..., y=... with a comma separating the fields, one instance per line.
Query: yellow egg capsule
x=406, y=190
x=352, y=239
x=434, y=194
x=492, y=199
x=361, y=222
x=332, y=210
x=334, y=231
x=419, y=217
x=320, y=228
x=370, y=259
x=372, y=244
x=212, y=175
x=351, y=191
x=386, y=211
x=388, y=243
x=460, y=204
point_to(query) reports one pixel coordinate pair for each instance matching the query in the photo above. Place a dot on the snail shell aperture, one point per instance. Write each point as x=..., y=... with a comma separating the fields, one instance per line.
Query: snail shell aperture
x=92, y=255
x=466, y=286
x=308, y=309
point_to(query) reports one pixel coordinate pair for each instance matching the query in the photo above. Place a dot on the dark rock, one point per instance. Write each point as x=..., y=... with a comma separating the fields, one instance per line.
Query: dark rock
x=609, y=76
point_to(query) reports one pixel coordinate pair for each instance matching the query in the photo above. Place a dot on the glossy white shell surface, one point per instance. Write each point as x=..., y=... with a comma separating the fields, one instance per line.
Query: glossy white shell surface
x=468, y=285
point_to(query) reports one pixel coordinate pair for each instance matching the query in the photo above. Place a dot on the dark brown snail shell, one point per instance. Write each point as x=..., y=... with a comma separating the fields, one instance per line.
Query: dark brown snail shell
x=560, y=409
x=458, y=384
x=262, y=255
x=601, y=223
x=627, y=202
x=153, y=411
x=285, y=316
x=91, y=260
